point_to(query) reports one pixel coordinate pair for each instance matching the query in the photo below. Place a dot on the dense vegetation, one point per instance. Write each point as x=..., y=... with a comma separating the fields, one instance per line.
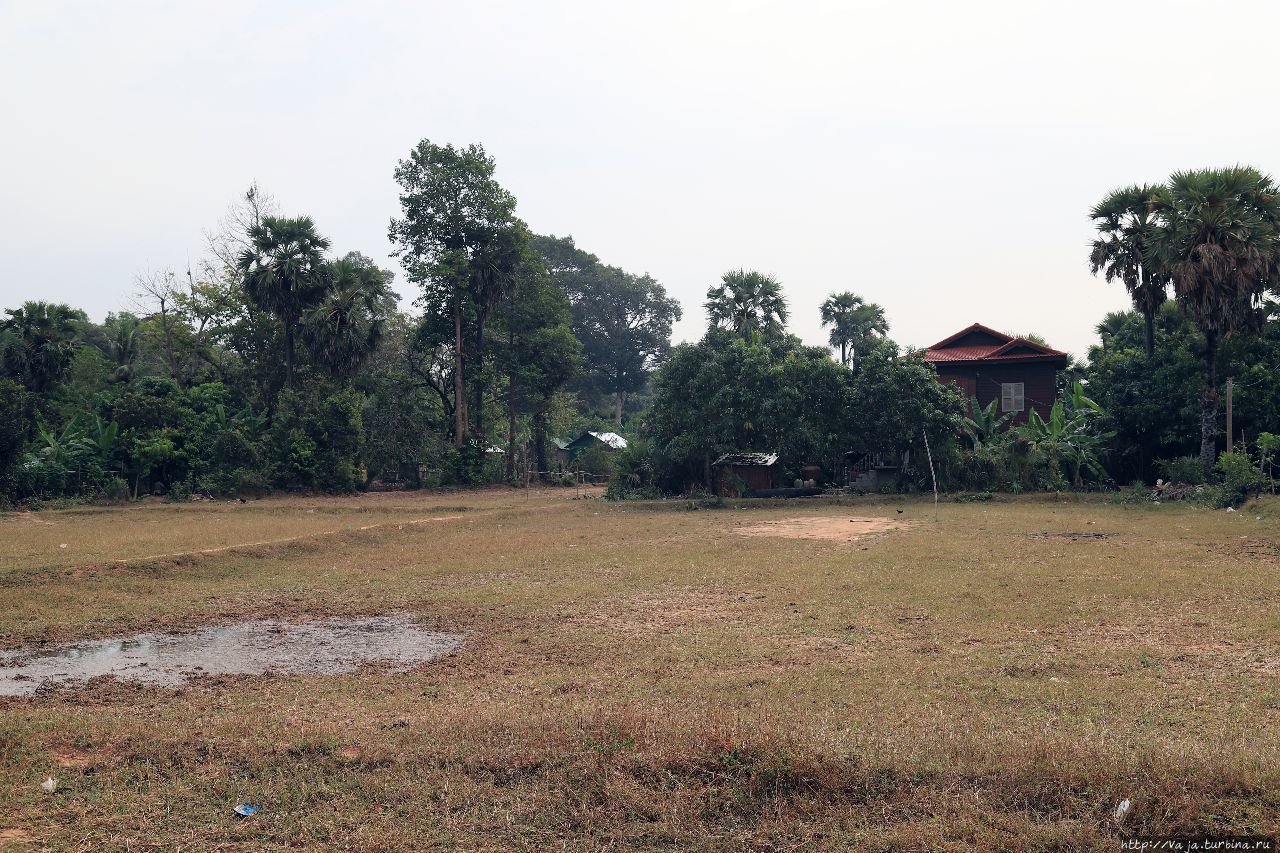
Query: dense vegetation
x=277, y=363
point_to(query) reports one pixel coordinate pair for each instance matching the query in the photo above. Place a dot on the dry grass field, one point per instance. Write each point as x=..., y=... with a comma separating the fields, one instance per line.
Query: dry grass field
x=642, y=675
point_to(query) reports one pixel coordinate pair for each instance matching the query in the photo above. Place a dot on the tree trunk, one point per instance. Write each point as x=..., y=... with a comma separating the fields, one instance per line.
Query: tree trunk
x=478, y=358
x=706, y=469
x=511, y=427
x=1209, y=405
x=1149, y=333
x=844, y=353
x=617, y=407
x=288, y=355
x=540, y=442
x=459, y=393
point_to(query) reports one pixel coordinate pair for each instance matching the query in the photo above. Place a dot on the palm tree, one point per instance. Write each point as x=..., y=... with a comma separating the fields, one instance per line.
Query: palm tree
x=124, y=342
x=747, y=302
x=1218, y=238
x=1124, y=250
x=344, y=329
x=285, y=273
x=853, y=323
x=1112, y=324
x=38, y=342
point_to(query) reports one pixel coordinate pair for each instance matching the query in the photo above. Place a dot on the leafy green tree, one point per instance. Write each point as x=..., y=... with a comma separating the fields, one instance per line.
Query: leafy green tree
x=540, y=353
x=1150, y=402
x=1126, y=250
x=405, y=405
x=1218, y=240
x=459, y=240
x=623, y=320
x=343, y=329
x=38, y=342
x=17, y=419
x=747, y=303
x=853, y=323
x=285, y=274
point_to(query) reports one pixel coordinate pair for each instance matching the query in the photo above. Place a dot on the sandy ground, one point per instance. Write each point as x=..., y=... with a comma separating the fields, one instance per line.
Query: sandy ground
x=834, y=529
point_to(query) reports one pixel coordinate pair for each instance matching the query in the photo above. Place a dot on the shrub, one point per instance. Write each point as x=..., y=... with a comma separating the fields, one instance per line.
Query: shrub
x=1184, y=469
x=1239, y=478
x=115, y=490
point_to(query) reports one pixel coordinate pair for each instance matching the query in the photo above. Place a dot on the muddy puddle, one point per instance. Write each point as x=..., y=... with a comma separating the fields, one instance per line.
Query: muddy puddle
x=318, y=647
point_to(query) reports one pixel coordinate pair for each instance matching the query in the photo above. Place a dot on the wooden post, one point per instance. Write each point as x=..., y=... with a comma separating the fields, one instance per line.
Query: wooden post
x=1230, y=436
x=931, y=474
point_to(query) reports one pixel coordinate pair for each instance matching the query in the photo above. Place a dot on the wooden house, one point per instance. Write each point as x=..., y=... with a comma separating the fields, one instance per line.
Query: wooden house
x=742, y=474
x=1020, y=374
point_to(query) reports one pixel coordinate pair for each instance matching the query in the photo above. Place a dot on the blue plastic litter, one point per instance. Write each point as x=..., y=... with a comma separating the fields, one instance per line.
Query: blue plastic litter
x=244, y=810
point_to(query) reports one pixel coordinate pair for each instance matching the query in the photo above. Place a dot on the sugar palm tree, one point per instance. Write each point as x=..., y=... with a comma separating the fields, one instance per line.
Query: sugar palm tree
x=1111, y=325
x=747, y=302
x=285, y=273
x=38, y=342
x=345, y=327
x=853, y=324
x=1125, y=250
x=1218, y=239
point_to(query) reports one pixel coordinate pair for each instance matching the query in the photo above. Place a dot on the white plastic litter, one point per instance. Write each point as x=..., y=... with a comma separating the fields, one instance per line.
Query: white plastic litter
x=63, y=545
x=1122, y=810
x=49, y=785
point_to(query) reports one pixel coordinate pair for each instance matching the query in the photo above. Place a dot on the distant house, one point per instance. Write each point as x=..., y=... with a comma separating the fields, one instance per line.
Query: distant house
x=739, y=474
x=608, y=440
x=1020, y=374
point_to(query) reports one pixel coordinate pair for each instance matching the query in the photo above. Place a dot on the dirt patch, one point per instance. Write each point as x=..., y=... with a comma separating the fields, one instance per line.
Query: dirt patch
x=830, y=528
x=318, y=647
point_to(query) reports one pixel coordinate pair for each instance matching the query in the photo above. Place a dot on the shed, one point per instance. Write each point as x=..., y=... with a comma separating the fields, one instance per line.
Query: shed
x=739, y=474
x=990, y=365
x=561, y=453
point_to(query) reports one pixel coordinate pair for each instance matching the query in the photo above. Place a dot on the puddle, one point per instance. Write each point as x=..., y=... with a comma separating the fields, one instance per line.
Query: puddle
x=319, y=647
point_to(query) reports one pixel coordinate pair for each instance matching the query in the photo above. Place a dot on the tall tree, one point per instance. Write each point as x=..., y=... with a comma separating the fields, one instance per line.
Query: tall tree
x=453, y=240
x=854, y=323
x=747, y=302
x=285, y=274
x=1218, y=239
x=343, y=329
x=38, y=342
x=540, y=353
x=1125, y=250
x=623, y=320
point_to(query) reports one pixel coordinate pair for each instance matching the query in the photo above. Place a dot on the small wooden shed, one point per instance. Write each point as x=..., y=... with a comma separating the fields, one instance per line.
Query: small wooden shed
x=741, y=474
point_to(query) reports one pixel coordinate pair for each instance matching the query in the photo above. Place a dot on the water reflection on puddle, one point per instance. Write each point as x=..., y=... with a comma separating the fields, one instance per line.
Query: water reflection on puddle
x=319, y=647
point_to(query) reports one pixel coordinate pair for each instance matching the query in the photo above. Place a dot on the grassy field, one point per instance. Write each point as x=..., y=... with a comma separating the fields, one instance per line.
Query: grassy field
x=642, y=675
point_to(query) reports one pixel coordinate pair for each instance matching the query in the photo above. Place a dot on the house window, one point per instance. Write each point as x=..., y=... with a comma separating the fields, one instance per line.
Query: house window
x=1011, y=399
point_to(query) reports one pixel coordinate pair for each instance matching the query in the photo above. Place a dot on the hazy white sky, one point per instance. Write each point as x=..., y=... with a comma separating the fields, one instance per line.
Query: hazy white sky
x=937, y=158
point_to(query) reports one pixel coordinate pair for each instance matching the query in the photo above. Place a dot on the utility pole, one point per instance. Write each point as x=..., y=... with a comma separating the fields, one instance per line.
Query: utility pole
x=1230, y=386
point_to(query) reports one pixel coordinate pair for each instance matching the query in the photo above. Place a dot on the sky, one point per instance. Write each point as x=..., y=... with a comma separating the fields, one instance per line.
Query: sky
x=938, y=158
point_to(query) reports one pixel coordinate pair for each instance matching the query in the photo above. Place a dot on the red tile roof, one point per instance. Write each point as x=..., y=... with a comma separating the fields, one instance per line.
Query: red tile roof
x=1000, y=347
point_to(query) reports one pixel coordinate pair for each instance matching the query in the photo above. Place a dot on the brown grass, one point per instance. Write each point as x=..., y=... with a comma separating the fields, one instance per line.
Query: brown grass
x=641, y=676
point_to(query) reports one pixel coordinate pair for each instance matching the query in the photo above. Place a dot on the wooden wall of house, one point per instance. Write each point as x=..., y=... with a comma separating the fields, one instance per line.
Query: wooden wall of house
x=984, y=381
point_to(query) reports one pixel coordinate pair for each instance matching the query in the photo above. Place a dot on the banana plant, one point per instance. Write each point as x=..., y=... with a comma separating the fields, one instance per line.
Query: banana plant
x=1068, y=435
x=984, y=426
